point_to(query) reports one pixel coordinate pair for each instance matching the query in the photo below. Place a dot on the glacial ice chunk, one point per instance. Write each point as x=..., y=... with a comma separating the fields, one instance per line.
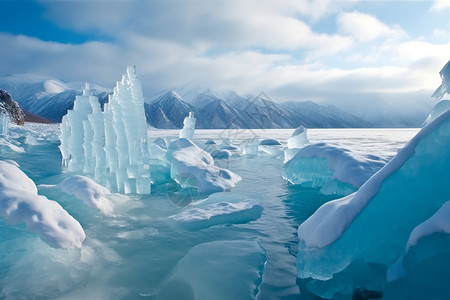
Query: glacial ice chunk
x=188, y=129
x=20, y=203
x=368, y=230
x=298, y=138
x=250, y=147
x=335, y=170
x=193, y=167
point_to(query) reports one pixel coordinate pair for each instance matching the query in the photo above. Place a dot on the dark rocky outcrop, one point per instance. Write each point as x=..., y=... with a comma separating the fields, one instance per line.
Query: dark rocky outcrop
x=11, y=108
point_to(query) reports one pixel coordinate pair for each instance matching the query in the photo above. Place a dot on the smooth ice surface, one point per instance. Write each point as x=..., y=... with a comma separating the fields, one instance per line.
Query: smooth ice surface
x=215, y=278
x=193, y=167
x=188, y=129
x=20, y=203
x=333, y=169
x=110, y=145
x=86, y=190
x=368, y=230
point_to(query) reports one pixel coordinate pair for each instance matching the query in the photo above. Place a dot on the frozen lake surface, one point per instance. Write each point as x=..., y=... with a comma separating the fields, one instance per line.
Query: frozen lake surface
x=163, y=245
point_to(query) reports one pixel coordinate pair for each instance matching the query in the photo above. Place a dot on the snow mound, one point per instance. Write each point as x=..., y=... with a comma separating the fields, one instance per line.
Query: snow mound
x=86, y=190
x=193, y=167
x=366, y=232
x=20, y=203
x=333, y=169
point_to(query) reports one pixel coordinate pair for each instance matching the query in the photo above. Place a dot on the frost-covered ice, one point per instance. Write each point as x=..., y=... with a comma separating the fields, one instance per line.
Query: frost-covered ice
x=193, y=167
x=110, y=145
x=20, y=203
x=188, y=129
x=368, y=230
x=333, y=169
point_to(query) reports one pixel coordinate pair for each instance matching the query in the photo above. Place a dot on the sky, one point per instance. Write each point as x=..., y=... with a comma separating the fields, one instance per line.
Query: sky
x=320, y=50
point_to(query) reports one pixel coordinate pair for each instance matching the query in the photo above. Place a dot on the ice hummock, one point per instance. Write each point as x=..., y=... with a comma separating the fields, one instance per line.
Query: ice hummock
x=20, y=203
x=110, y=145
x=350, y=243
x=333, y=169
x=194, y=168
x=188, y=129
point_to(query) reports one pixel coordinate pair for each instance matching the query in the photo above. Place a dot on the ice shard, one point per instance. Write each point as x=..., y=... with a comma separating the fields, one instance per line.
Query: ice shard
x=189, y=126
x=110, y=145
x=4, y=124
x=444, y=88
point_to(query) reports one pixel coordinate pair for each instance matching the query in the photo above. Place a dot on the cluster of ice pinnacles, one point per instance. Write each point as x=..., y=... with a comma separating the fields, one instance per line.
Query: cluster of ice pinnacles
x=189, y=126
x=110, y=145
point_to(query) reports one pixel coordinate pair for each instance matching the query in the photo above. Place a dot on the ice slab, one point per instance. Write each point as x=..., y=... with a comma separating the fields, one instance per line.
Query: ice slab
x=370, y=228
x=193, y=167
x=201, y=275
x=20, y=203
x=333, y=169
x=219, y=213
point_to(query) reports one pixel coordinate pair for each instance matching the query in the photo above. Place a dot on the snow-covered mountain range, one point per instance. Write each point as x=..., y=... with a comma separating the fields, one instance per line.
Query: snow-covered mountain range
x=51, y=98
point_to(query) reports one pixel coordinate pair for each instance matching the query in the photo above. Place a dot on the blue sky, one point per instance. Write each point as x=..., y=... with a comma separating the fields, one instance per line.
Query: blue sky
x=323, y=50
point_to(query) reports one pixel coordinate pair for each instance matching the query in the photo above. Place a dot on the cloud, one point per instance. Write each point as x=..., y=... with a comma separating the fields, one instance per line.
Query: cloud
x=440, y=5
x=364, y=27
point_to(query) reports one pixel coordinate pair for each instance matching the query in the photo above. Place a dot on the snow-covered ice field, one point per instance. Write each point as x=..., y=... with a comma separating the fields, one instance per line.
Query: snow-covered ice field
x=173, y=243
